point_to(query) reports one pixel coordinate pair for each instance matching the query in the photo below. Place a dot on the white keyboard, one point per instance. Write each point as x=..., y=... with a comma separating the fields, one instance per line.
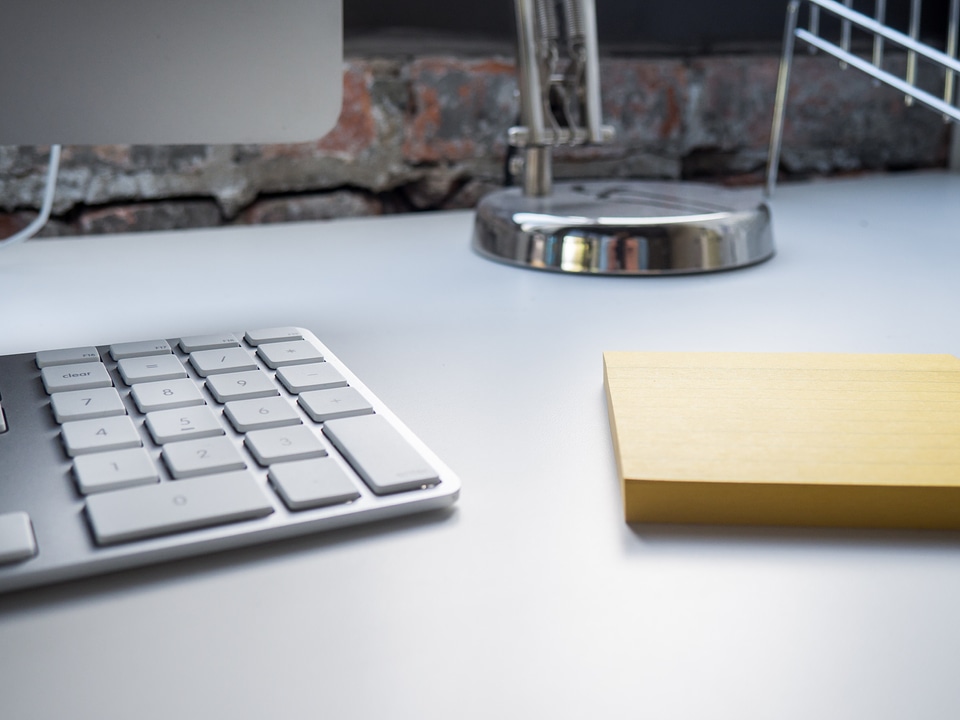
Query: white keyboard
x=139, y=452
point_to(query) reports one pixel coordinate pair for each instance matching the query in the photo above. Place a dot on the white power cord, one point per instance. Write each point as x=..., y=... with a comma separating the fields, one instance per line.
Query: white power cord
x=38, y=222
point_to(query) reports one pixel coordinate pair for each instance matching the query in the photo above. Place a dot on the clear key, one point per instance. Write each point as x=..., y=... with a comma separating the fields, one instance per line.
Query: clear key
x=79, y=376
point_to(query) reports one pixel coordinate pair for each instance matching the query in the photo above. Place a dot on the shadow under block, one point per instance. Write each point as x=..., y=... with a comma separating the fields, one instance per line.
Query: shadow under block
x=813, y=439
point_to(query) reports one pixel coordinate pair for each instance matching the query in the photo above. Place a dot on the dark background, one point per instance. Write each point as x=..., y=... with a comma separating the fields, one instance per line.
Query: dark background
x=678, y=26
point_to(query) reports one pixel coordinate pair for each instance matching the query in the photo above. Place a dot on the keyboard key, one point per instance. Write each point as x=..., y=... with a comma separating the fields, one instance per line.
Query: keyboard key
x=17, y=541
x=209, y=362
x=78, y=376
x=313, y=376
x=380, y=454
x=119, y=351
x=151, y=368
x=109, y=433
x=261, y=413
x=241, y=385
x=113, y=470
x=208, y=342
x=183, y=424
x=312, y=483
x=323, y=405
x=166, y=394
x=85, y=404
x=67, y=356
x=284, y=444
x=165, y=508
x=296, y=352
x=271, y=335
x=202, y=457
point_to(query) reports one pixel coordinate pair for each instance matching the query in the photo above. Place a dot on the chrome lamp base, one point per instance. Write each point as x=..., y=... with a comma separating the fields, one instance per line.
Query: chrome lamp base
x=625, y=228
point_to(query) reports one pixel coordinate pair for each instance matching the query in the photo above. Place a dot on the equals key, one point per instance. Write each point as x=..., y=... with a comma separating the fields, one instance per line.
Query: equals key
x=151, y=367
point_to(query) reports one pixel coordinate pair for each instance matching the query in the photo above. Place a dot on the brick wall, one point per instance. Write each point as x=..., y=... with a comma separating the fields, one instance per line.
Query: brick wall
x=429, y=133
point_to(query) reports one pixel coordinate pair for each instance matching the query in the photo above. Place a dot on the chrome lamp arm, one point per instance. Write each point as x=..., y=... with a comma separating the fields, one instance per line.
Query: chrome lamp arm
x=559, y=78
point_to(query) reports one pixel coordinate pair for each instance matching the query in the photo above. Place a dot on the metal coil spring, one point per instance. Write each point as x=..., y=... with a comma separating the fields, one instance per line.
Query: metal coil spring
x=547, y=26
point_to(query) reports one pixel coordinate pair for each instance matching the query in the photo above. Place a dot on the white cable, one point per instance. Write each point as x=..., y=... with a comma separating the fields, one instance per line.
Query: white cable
x=38, y=222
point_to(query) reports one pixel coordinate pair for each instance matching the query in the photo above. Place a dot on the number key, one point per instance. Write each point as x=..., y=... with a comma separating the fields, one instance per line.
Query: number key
x=283, y=444
x=166, y=394
x=241, y=386
x=84, y=404
x=110, y=433
x=183, y=423
x=202, y=457
x=102, y=471
x=262, y=413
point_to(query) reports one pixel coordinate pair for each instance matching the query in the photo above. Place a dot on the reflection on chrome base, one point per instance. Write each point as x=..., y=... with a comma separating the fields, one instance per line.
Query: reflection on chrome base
x=626, y=228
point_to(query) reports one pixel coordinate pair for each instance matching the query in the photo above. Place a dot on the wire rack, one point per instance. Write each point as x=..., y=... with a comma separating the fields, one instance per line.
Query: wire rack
x=845, y=22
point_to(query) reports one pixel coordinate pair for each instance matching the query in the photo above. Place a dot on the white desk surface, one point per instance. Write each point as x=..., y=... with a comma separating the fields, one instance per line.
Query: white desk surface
x=532, y=599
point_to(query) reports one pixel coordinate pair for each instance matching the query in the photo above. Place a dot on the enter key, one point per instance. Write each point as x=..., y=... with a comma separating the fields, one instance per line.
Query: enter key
x=381, y=456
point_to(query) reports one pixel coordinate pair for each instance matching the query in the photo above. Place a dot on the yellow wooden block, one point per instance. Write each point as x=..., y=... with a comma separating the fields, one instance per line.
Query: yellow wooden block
x=787, y=438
